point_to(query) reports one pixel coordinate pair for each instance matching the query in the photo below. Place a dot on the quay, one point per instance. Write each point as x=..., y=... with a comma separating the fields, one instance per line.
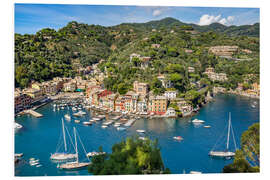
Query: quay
x=130, y=122
x=33, y=113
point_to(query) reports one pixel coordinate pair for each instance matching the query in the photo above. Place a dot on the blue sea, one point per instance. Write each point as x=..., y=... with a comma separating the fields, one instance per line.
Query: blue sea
x=39, y=136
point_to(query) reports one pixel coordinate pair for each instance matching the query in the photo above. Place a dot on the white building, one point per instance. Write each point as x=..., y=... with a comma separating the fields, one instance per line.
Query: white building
x=170, y=112
x=165, y=82
x=170, y=94
x=142, y=106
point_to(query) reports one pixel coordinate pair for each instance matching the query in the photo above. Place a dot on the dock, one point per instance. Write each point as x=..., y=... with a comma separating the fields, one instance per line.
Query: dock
x=130, y=122
x=34, y=113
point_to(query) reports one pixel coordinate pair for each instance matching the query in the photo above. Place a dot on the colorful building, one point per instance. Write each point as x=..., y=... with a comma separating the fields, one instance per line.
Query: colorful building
x=140, y=88
x=21, y=101
x=157, y=105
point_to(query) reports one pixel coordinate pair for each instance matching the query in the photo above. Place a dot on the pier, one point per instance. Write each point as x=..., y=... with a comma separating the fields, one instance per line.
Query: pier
x=34, y=113
x=130, y=122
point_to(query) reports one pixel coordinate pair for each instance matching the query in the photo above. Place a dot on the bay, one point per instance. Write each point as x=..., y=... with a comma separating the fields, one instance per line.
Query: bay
x=39, y=136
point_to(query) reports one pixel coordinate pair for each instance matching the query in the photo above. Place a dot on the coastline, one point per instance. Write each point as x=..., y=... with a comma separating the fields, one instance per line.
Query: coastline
x=217, y=90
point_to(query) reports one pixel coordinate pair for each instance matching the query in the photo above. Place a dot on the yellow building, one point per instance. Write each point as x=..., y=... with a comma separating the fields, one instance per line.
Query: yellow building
x=157, y=105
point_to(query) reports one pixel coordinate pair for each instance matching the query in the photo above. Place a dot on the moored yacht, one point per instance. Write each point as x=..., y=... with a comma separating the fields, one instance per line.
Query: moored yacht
x=62, y=156
x=76, y=164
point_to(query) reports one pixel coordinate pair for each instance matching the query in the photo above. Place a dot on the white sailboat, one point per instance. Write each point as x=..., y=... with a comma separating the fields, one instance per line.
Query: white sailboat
x=76, y=164
x=62, y=156
x=226, y=153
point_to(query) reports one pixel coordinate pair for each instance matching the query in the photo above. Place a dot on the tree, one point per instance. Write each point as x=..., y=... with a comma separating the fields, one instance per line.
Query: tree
x=130, y=156
x=156, y=86
x=247, y=159
x=122, y=88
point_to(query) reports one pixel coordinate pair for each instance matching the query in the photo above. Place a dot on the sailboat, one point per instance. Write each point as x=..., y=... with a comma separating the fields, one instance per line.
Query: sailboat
x=76, y=164
x=62, y=156
x=226, y=153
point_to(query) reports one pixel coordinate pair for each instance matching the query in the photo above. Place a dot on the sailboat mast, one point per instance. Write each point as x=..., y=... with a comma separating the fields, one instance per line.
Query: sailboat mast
x=76, y=148
x=64, y=135
x=228, y=136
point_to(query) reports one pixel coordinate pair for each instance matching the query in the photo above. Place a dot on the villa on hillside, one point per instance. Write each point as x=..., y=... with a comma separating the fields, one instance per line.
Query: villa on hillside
x=215, y=76
x=170, y=94
x=223, y=51
x=165, y=82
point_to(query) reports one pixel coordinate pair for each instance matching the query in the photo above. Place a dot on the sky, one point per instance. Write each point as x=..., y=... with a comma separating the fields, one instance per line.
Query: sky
x=30, y=18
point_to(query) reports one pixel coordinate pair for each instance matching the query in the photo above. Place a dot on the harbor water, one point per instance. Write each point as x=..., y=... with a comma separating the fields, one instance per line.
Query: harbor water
x=39, y=136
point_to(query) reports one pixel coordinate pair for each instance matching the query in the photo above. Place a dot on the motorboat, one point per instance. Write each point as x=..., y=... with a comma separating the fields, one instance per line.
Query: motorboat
x=107, y=123
x=18, y=126
x=121, y=128
x=197, y=121
x=140, y=131
x=207, y=126
x=195, y=172
x=77, y=121
x=67, y=117
x=143, y=138
x=87, y=123
x=104, y=126
x=91, y=154
x=179, y=138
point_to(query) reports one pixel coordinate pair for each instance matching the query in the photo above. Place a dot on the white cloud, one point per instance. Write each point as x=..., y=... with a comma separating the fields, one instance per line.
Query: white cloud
x=157, y=12
x=208, y=19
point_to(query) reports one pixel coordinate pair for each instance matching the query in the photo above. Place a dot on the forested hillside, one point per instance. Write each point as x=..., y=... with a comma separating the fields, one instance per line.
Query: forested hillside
x=50, y=53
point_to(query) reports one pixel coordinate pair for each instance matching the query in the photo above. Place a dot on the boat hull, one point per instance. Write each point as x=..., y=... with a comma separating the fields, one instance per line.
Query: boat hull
x=221, y=154
x=62, y=156
x=73, y=165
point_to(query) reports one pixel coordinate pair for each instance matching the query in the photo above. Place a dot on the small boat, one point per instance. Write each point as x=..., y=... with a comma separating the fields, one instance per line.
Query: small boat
x=195, y=172
x=179, y=138
x=91, y=154
x=101, y=117
x=140, y=131
x=18, y=155
x=77, y=121
x=39, y=165
x=253, y=105
x=116, y=125
x=96, y=119
x=67, y=117
x=80, y=113
x=87, y=123
x=197, y=121
x=107, y=123
x=143, y=138
x=104, y=126
x=121, y=128
x=33, y=163
x=18, y=126
x=207, y=126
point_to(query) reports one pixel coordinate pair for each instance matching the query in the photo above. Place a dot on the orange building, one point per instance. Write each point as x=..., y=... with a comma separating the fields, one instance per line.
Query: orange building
x=157, y=105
